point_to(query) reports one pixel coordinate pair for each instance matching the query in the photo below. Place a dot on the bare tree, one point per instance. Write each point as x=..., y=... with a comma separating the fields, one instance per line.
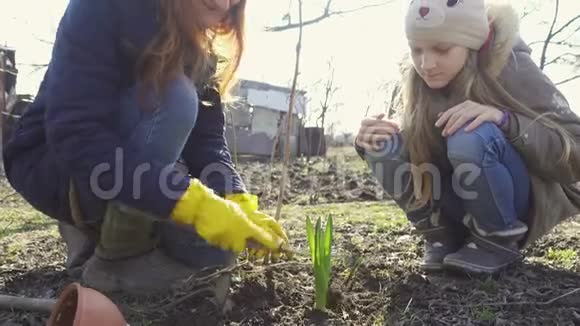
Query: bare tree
x=289, y=115
x=530, y=8
x=393, y=88
x=561, y=36
x=327, y=101
x=327, y=12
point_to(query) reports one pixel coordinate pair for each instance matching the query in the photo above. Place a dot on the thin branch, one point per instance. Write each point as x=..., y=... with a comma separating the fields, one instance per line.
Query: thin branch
x=562, y=43
x=573, y=33
x=327, y=13
x=374, y=5
x=197, y=286
x=326, y=8
x=394, y=93
x=293, y=26
x=570, y=22
x=194, y=286
x=567, y=80
x=555, y=60
x=550, y=35
x=289, y=115
x=526, y=13
x=41, y=40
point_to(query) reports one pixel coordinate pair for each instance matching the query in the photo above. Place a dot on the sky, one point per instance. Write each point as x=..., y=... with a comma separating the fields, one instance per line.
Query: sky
x=363, y=47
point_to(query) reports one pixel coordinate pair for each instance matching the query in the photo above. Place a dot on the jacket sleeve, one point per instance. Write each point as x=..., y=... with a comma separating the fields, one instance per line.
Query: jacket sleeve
x=206, y=152
x=540, y=146
x=83, y=95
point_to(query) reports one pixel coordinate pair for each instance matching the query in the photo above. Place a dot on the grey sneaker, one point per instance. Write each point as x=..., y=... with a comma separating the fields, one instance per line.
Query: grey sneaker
x=488, y=253
x=440, y=240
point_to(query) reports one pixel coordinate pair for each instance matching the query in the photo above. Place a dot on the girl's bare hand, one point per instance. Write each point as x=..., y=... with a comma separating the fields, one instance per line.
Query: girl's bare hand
x=374, y=131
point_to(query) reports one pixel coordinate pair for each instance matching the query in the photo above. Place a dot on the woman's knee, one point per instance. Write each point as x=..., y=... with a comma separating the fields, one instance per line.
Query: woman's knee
x=177, y=105
x=180, y=102
x=472, y=146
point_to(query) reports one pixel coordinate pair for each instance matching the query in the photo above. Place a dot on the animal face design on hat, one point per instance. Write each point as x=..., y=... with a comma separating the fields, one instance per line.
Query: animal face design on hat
x=461, y=22
x=430, y=13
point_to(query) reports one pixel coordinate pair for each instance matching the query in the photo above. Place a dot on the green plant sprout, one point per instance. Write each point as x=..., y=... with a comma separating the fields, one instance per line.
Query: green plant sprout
x=320, y=242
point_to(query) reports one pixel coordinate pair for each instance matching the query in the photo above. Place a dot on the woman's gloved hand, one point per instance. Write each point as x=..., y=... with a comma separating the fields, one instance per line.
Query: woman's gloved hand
x=221, y=222
x=249, y=204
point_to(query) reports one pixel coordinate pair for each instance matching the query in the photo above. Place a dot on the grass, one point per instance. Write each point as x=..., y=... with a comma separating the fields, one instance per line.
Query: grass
x=489, y=286
x=484, y=314
x=565, y=258
x=347, y=156
x=375, y=217
x=380, y=216
x=17, y=220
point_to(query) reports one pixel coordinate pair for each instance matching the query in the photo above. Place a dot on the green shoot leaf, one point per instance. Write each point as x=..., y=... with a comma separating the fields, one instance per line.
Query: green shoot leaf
x=310, y=236
x=320, y=241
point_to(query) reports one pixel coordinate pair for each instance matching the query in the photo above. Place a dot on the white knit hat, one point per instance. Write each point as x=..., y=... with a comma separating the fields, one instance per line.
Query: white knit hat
x=461, y=22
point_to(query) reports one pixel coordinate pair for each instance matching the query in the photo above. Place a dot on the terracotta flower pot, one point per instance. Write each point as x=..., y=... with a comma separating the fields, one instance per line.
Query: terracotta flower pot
x=81, y=306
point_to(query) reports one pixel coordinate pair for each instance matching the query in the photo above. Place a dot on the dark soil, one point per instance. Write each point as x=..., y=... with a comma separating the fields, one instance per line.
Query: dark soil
x=387, y=289
x=316, y=181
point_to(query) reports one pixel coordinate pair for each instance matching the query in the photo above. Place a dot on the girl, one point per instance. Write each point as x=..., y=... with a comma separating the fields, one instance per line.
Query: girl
x=487, y=157
x=134, y=86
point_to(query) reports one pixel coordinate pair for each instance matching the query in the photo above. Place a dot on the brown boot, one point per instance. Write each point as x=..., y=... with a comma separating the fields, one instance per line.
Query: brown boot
x=126, y=258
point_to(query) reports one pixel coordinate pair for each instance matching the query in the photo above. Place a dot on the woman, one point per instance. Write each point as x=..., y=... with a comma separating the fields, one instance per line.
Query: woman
x=487, y=157
x=133, y=87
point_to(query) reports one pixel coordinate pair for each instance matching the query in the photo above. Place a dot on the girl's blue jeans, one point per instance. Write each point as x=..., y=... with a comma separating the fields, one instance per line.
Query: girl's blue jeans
x=483, y=175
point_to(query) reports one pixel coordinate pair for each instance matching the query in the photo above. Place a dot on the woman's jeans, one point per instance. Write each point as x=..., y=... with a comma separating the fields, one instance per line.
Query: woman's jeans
x=486, y=178
x=162, y=132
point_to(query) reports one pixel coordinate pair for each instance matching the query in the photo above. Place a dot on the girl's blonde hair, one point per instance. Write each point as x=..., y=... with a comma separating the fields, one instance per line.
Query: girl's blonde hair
x=419, y=102
x=211, y=56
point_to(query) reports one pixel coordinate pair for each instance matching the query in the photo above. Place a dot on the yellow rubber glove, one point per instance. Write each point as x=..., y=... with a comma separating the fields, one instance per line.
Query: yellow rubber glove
x=249, y=204
x=220, y=222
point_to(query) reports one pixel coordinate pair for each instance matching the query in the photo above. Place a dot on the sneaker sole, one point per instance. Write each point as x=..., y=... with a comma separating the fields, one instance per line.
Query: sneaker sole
x=473, y=268
x=432, y=267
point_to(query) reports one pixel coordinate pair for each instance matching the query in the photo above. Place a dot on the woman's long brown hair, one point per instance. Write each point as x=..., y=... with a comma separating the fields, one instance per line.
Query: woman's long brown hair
x=212, y=56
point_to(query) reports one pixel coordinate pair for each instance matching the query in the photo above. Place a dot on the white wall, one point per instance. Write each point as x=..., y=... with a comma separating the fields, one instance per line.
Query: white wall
x=265, y=121
x=275, y=100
